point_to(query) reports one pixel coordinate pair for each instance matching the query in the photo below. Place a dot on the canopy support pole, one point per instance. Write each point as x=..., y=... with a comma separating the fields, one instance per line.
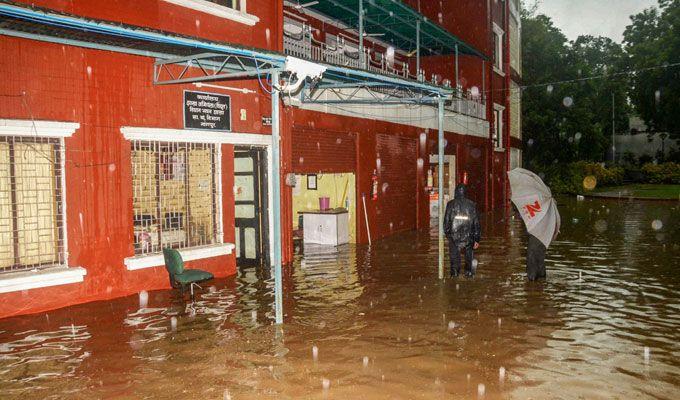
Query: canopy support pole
x=418, y=50
x=362, y=59
x=276, y=186
x=457, y=80
x=440, y=198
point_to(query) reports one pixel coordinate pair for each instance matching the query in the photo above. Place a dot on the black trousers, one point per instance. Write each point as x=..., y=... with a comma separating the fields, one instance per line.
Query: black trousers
x=535, y=259
x=454, y=255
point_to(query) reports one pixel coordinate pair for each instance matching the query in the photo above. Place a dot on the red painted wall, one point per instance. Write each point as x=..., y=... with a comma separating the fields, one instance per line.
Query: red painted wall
x=464, y=18
x=158, y=14
x=104, y=91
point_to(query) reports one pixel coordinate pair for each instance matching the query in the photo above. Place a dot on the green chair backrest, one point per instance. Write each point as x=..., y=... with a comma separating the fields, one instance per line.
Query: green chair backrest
x=173, y=261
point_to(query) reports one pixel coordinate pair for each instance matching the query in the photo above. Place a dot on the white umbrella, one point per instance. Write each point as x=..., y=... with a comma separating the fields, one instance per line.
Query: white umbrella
x=536, y=204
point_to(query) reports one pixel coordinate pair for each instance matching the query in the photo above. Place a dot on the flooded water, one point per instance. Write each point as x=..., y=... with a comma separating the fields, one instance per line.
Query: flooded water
x=377, y=324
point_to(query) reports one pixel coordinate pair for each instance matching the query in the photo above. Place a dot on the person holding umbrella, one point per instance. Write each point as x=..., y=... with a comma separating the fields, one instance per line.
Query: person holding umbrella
x=539, y=212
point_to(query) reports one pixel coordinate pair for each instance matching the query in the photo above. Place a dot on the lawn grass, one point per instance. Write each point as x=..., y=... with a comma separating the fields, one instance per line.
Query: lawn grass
x=644, y=191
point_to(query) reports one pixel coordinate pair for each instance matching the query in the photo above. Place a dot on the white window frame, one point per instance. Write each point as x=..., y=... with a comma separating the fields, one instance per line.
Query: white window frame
x=58, y=274
x=209, y=137
x=208, y=7
x=498, y=49
x=498, y=127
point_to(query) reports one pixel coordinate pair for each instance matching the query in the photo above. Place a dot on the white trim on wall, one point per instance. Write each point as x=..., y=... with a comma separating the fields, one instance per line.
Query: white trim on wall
x=498, y=126
x=193, y=136
x=220, y=11
x=27, y=127
x=188, y=254
x=24, y=280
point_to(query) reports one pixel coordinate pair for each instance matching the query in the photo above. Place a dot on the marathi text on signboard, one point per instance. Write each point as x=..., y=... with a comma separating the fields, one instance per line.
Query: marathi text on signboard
x=207, y=111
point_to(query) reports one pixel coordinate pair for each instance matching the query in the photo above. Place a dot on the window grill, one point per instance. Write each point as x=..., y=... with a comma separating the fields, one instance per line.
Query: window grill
x=235, y=4
x=31, y=203
x=174, y=195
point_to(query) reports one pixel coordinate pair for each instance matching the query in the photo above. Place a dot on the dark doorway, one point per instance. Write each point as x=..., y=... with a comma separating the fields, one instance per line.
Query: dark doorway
x=250, y=213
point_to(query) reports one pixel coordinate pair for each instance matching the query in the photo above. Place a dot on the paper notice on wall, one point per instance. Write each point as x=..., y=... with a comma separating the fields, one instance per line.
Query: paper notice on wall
x=297, y=189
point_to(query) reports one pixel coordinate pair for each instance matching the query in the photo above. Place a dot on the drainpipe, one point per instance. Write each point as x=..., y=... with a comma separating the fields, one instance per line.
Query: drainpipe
x=276, y=186
x=362, y=60
x=457, y=80
x=440, y=200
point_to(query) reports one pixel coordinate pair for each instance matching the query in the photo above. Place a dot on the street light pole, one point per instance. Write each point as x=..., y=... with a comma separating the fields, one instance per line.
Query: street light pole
x=613, y=131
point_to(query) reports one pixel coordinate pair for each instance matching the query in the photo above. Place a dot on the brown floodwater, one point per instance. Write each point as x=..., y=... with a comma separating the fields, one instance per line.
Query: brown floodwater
x=377, y=324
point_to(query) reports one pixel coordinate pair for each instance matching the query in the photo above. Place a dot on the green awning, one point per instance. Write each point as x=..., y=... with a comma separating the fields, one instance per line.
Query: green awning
x=396, y=22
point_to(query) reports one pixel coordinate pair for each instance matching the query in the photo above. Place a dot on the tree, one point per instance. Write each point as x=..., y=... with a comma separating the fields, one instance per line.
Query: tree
x=567, y=101
x=652, y=41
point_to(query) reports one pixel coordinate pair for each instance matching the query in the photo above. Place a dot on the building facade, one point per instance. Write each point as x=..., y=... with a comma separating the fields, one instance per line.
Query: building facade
x=107, y=154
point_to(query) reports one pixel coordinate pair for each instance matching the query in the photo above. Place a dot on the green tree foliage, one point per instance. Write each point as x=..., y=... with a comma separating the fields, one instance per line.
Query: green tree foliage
x=567, y=112
x=653, y=40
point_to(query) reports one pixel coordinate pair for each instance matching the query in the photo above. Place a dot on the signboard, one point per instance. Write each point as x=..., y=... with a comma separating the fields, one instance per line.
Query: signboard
x=207, y=111
x=266, y=121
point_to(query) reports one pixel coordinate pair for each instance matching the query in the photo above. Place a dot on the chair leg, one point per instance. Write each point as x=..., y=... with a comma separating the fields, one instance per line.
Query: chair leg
x=191, y=286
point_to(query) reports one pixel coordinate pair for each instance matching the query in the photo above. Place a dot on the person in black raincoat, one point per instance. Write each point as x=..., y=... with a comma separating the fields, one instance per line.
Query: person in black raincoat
x=462, y=229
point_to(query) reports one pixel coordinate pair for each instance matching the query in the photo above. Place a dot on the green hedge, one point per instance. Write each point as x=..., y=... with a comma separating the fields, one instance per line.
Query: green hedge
x=662, y=173
x=569, y=178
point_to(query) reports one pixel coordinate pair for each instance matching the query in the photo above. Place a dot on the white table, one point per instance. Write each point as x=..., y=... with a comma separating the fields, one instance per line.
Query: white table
x=328, y=227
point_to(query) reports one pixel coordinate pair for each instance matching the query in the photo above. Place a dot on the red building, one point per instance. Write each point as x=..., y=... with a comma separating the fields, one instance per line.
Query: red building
x=121, y=131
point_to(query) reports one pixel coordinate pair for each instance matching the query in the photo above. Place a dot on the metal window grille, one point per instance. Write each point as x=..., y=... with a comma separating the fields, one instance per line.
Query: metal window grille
x=174, y=195
x=235, y=4
x=31, y=208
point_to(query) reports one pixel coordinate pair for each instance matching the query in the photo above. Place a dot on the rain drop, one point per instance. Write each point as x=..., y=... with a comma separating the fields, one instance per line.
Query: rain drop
x=315, y=353
x=253, y=315
x=577, y=136
x=173, y=323
x=530, y=142
x=646, y=354
x=420, y=163
x=501, y=374
x=657, y=225
x=499, y=322
x=326, y=383
x=600, y=225
x=481, y=389
x=89, y=71
x=568, y=101
x=452, y=325
x=657, y=96
x=112, y=167
x=143, y=299
x=549, y=89
x=365, y=361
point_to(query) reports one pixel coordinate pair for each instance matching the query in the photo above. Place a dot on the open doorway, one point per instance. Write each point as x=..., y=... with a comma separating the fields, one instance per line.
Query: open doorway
x=250, y=206
x=433, y=182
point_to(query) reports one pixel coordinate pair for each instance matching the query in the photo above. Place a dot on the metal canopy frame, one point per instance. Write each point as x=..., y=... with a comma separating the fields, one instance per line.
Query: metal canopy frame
x=209, y=67
x=182, y=59
x=399, y=24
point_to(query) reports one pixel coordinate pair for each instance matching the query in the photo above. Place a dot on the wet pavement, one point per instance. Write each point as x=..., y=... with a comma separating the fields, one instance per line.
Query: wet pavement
x=377, y=324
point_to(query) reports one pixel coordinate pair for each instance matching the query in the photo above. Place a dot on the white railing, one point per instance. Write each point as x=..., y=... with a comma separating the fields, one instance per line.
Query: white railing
x=302, y=44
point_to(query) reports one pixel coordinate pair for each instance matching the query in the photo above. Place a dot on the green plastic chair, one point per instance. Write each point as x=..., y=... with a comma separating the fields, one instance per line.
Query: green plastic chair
x=180, y=278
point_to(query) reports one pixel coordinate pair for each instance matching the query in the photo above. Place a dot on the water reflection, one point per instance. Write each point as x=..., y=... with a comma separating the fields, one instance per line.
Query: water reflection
x=384, y=327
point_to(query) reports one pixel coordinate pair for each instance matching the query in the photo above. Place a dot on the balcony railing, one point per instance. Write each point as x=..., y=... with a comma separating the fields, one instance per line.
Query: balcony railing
x=298, y=41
